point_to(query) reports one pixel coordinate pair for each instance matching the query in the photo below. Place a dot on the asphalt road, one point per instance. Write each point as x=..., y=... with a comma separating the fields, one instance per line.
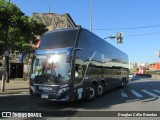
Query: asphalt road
x=138, y=96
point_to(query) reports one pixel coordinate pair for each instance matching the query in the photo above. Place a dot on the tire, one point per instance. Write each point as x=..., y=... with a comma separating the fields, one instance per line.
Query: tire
x=92, y=93
x=100, y=89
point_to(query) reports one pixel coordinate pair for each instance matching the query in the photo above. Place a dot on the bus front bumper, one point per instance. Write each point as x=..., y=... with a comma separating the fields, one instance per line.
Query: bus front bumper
x=50, y=96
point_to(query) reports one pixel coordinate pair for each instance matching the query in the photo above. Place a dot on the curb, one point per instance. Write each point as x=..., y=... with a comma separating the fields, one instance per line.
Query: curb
x=14, y=94
x=17, y=92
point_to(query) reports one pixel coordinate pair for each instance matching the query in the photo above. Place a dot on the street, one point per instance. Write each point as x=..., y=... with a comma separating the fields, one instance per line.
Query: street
x=139, y=95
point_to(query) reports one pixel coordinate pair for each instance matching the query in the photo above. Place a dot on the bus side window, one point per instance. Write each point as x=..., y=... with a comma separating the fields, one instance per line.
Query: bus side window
x=78, y=71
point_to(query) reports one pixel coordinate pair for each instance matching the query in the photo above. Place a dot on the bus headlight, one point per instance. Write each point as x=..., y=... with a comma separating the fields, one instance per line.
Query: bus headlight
x=62, y=90
x=53, y=58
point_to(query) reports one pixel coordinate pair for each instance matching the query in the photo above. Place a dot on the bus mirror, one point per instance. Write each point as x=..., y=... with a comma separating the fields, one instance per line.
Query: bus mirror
x=75, y=49
x=69, y=56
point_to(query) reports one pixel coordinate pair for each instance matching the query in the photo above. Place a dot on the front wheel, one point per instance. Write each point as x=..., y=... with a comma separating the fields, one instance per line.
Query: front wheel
x=92, y=93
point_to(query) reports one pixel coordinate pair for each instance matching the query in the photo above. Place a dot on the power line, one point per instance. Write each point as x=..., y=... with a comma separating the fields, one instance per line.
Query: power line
x=129, y=28
x=155, y=33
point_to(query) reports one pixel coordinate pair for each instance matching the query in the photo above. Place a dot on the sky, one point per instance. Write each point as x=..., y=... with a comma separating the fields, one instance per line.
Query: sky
x=138, y=20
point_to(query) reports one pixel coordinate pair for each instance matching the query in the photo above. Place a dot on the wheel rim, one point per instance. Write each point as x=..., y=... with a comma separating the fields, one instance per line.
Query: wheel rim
x=91, y=92
x=100, y=89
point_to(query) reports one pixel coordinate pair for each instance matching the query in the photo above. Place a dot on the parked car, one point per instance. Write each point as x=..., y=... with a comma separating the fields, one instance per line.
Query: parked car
x=130, y=76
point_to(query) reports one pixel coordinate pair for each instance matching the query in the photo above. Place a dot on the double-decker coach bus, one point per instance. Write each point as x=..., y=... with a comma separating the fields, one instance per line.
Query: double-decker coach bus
x=72, y=64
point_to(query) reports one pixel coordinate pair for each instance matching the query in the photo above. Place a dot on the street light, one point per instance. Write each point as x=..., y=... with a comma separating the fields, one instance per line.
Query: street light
x=118, y=36
x=91, y=15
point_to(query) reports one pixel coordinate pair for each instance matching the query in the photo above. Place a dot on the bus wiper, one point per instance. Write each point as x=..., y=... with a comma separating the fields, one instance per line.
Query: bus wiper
x=46, y=78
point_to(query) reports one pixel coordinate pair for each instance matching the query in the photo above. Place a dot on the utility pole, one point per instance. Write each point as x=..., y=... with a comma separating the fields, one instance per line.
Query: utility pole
x=49, y=9
x=91, y=15
x=3, y=74
x=6, y=53
x=7, y=50
x=5, y=67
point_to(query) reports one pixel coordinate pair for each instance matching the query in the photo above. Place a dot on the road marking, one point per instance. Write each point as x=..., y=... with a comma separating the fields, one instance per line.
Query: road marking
x=136, y=93
x=133, y=100
x=157, y=91
x=123, y=94
x=149, y=93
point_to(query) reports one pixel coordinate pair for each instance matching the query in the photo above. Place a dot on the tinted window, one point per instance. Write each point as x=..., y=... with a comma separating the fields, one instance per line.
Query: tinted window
x=58, y=39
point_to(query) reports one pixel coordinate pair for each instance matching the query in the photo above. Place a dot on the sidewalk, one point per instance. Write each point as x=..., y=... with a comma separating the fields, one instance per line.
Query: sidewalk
x=156, y=77
x=15, y=86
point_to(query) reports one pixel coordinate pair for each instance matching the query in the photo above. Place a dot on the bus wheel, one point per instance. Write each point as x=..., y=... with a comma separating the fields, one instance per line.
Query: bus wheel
x=100, y=89
x=92, y=93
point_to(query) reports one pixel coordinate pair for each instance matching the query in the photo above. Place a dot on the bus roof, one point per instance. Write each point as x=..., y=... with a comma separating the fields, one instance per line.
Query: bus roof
x=80, y=37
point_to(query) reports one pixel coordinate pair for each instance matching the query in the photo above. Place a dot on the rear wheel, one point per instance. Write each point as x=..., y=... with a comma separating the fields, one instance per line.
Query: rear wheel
x=100, y=89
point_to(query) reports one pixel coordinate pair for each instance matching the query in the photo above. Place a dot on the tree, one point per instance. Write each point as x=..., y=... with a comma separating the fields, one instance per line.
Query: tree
x=17, y=31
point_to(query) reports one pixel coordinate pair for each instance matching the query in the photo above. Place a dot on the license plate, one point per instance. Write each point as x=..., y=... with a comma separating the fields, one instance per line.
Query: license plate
x=44, y=96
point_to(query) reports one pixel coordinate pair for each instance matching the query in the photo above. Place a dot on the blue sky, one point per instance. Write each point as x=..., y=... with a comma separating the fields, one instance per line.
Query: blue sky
x=111, y=14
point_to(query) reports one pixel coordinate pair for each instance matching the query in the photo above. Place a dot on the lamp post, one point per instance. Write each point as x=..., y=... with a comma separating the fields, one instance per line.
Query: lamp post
x=3, y=75
x=91, y=15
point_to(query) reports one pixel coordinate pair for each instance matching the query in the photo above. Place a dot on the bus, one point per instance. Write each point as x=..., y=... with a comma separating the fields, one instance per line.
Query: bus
x=73, y=64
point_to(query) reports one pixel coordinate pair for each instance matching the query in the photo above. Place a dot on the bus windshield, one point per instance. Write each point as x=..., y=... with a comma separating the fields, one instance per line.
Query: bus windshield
x=60, y=39
x=50, y=69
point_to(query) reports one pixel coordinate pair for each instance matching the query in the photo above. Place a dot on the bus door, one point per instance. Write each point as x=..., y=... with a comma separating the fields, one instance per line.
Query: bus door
x=78, y=68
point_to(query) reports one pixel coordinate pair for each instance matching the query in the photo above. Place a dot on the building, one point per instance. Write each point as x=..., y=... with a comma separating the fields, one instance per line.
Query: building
x=154, y=66
x=154, y=69
x=135, y=65
x=138, y=67
x=53, y=21
x=142, y=70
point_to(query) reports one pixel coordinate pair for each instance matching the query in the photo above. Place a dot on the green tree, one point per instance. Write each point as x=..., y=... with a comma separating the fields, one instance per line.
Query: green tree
x=17, y=31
